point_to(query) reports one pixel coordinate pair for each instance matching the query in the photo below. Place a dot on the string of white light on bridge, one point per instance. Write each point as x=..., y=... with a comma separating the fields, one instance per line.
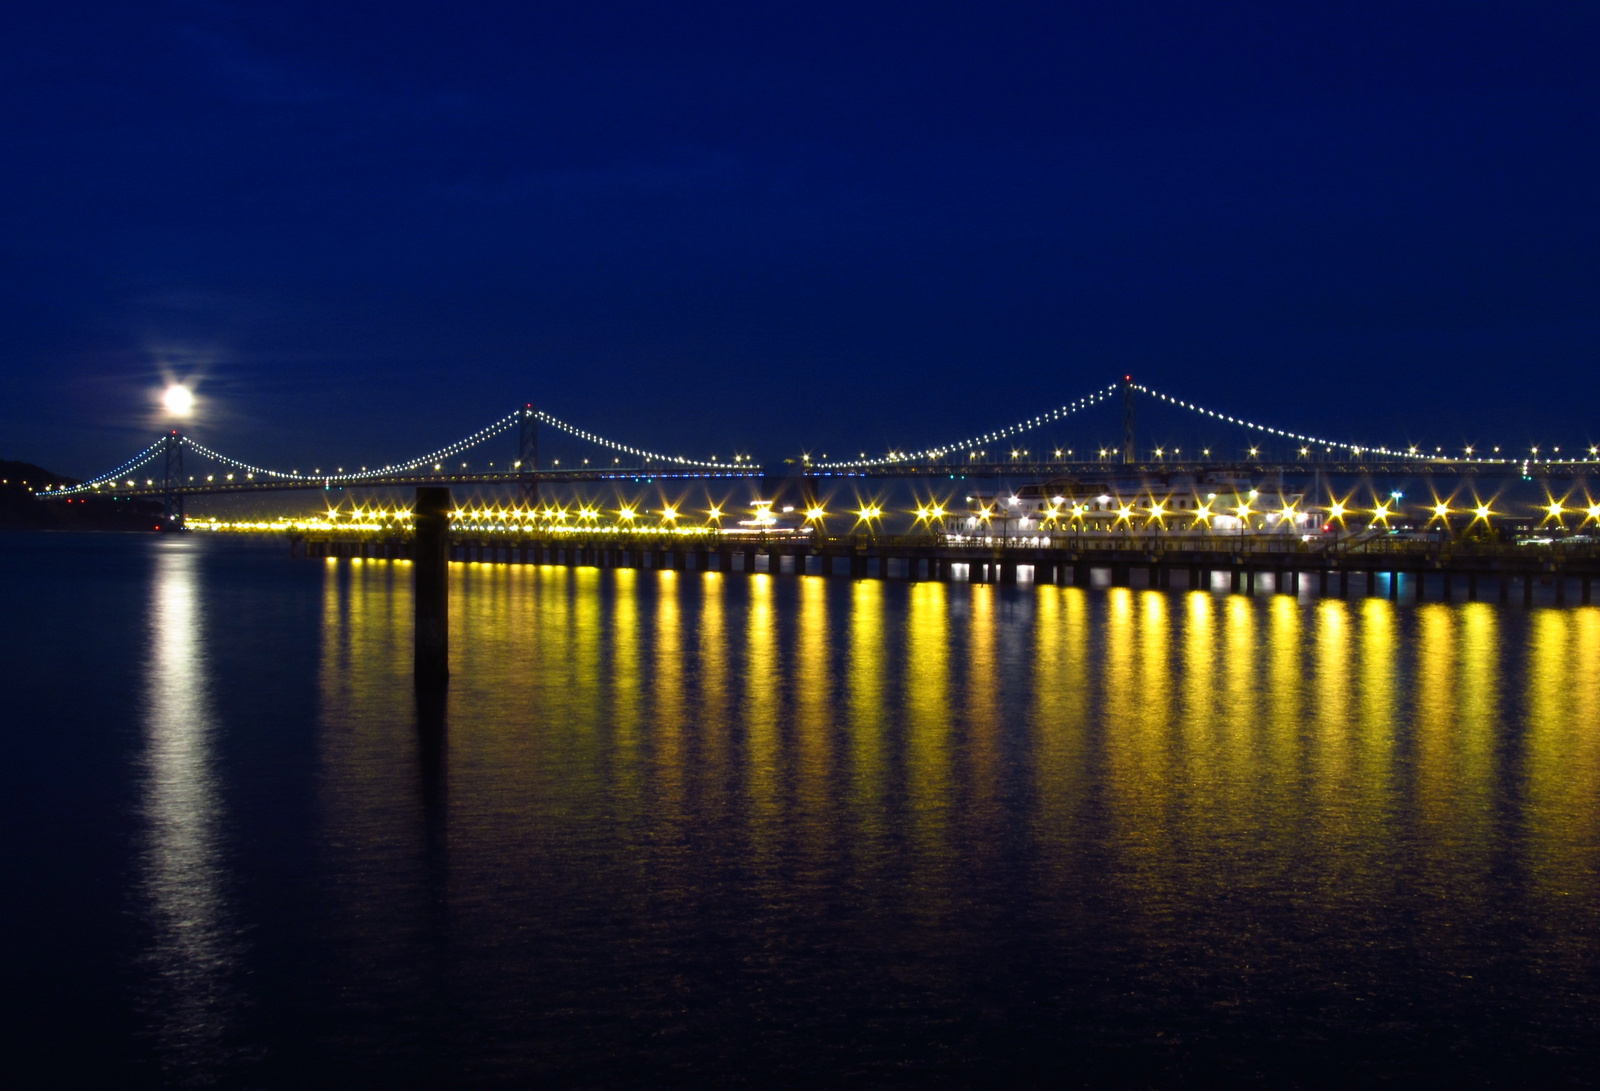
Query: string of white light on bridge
x=436, y=458
x=638, y=452
x=430, y=459
x=932, y=453
x=1355, y=449
x=133, y=463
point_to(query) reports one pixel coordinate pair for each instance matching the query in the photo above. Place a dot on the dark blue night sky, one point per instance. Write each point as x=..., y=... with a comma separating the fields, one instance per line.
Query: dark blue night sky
x=364, y=229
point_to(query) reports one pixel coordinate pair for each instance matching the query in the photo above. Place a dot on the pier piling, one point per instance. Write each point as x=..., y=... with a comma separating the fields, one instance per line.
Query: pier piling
x=431, y=583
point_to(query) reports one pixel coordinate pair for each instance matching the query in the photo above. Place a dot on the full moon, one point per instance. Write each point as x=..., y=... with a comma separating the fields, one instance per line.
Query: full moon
x=178, y=400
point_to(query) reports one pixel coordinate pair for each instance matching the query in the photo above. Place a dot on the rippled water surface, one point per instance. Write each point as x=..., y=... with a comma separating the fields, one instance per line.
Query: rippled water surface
x=760, y=829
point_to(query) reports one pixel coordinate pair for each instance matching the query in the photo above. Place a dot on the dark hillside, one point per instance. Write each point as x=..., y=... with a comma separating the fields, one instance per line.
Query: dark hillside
x=19, y=510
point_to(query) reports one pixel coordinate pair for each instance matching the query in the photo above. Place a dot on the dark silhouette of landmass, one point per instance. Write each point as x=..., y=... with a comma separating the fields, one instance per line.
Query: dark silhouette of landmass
x=21, y=510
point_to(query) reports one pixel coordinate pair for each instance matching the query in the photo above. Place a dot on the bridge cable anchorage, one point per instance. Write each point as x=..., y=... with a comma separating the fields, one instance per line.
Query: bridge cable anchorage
x=639, y=452
x=934, y=453
x=149, y=454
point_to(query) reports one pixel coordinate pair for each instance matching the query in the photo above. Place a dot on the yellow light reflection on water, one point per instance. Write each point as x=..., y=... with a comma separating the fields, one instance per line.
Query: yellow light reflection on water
x=712, y=658
x=864, y=699
x=1062, y=695
x=928, y=714
x=1561, y=752
x=669, y=707
x=814, y=714
x=762, y=680
x=1199, y=763
x=982, y=719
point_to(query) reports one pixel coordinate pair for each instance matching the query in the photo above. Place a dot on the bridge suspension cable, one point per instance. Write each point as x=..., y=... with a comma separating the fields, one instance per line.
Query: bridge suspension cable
x=932, y=453
x=481, y=435
x=639, y=452
x=1353, y=448
x=504, y=424
x=144, y=456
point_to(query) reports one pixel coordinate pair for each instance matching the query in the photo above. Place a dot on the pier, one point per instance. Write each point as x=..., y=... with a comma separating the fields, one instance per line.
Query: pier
x=1416, y=571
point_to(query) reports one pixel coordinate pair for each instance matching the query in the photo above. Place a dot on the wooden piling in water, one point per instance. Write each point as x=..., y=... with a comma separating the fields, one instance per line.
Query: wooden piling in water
x=431, y=583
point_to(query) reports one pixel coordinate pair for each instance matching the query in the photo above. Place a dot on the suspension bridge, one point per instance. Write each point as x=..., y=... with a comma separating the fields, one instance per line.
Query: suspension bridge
x=176, y=466
x=1031, y=536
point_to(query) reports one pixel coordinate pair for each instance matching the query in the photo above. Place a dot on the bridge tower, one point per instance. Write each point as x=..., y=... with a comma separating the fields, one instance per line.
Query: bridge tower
x=1128, y=454
x=528, y=452
x=172, y=479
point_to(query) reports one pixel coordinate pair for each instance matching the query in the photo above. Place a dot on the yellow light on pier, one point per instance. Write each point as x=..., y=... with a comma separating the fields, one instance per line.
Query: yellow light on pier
x=1381, y=513
x=815, y=514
